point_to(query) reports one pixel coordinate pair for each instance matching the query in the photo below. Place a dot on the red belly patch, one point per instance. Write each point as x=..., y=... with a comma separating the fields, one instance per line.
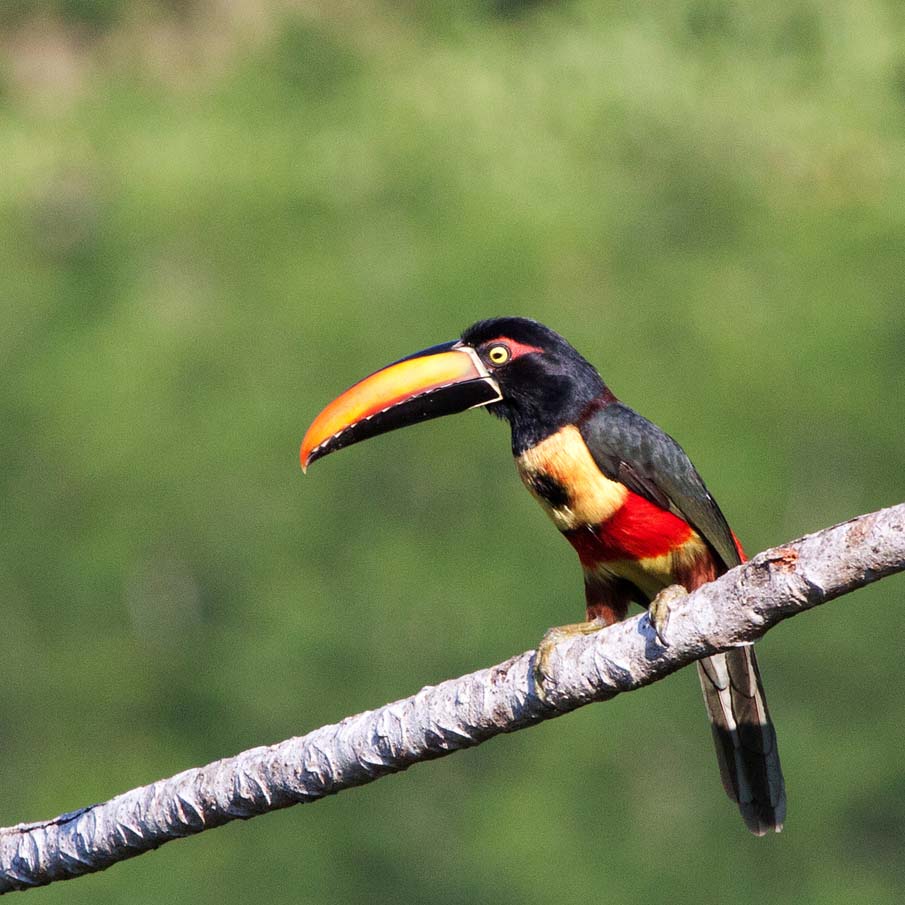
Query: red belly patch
x=637, y=530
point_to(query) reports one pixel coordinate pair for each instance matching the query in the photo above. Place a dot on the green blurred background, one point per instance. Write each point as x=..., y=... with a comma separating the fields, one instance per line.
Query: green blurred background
x=215, y=215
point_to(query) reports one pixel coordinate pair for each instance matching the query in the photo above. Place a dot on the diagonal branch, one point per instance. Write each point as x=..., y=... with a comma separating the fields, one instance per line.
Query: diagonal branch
x=460, y=713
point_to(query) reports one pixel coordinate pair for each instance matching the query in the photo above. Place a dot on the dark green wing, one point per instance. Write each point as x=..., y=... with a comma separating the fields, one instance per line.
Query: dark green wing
x=634, y=451
x=630, y=449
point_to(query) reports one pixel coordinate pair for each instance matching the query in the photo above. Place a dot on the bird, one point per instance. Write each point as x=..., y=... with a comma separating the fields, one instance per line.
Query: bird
x=620, y=489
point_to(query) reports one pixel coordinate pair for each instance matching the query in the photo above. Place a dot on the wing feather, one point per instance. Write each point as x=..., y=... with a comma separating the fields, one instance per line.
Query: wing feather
x=630, y=449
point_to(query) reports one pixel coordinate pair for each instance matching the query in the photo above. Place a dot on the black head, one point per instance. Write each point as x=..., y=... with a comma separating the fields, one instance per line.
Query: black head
x=545, y=383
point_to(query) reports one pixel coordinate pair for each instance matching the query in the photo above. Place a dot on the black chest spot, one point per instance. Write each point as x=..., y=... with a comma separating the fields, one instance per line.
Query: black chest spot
x=550, y=490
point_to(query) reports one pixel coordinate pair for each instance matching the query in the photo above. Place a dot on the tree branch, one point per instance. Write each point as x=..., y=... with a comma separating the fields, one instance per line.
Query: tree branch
x=460, y=713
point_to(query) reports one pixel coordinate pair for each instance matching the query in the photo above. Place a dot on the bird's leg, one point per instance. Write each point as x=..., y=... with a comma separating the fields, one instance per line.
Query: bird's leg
x=553, y=637
x=659, y=609
x=607, y=602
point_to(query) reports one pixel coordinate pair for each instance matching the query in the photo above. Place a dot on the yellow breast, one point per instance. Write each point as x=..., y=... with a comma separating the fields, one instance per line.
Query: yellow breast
x=564, y=478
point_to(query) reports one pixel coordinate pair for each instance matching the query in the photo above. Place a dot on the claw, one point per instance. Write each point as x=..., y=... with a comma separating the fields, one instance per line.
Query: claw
x=549, y=642
x=542, y=656
x=659, y=610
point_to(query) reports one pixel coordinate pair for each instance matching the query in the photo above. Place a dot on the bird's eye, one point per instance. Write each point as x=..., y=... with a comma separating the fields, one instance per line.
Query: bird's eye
x=498, y=355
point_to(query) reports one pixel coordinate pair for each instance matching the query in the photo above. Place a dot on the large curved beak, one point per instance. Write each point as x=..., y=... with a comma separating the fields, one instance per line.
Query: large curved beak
x=438, y=381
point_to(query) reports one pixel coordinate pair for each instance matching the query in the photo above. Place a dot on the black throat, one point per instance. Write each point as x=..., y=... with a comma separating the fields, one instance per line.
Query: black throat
x=540, y=397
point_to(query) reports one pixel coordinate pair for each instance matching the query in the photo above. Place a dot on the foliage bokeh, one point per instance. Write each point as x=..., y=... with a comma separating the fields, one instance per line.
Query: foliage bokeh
x=214, y=216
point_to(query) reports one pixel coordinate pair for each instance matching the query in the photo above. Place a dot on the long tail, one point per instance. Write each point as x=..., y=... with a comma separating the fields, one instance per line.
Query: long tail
x=744, y=737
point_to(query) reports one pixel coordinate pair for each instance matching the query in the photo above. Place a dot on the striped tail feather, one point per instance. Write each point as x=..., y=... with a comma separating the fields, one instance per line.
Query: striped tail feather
x=745, y=738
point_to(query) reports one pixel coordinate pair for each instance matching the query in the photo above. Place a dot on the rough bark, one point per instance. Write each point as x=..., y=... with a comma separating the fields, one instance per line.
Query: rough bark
x=737, y=608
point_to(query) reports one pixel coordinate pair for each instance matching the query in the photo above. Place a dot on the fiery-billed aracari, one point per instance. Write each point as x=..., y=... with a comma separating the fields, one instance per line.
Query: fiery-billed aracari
x=622, y=491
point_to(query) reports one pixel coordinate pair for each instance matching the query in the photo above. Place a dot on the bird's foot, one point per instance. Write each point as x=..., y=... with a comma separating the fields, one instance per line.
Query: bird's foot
x=659, y=610
x=553, y=637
